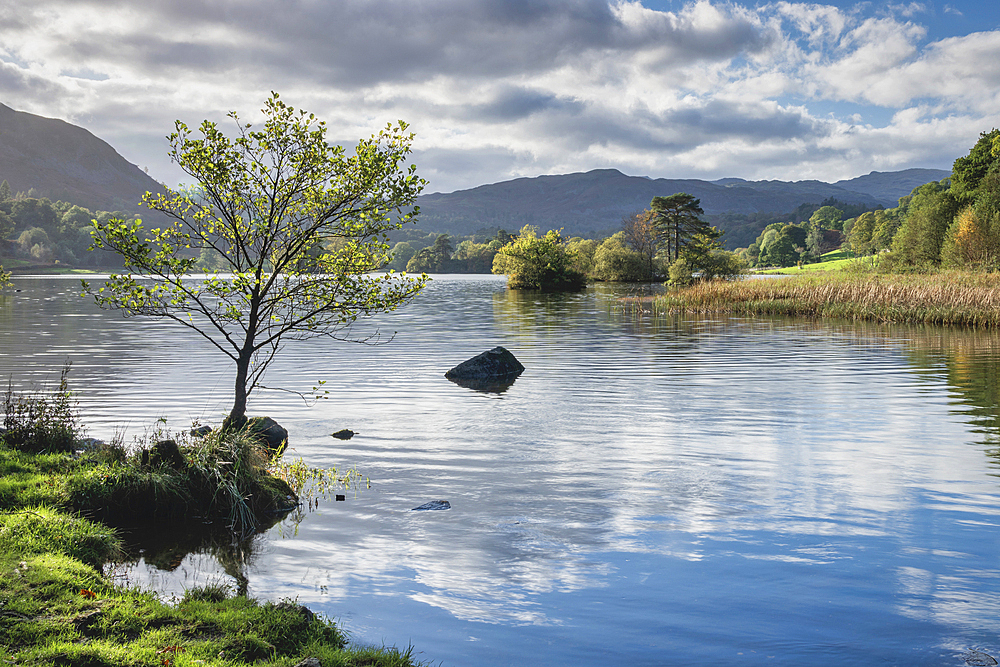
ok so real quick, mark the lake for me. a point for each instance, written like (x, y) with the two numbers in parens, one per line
(671, 491)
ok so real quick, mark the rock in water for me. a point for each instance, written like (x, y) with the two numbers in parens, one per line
(493, 371)
(433, 505)
(344, 434)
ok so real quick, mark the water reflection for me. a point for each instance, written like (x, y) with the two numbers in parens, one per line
(154, 552)
(685, 490)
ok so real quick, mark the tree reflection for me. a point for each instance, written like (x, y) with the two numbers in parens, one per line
(166, 550)
(970, 361)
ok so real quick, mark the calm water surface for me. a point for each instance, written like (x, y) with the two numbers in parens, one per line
(648, 492)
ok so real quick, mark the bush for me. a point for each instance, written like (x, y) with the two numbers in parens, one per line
(540, 263)
(721, 264)
(614, 262)
(680, 272)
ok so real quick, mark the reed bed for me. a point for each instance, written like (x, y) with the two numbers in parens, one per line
(951, 298)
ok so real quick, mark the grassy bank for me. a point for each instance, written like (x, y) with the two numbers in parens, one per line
(59, 509)
(838, 260)
(953, 298)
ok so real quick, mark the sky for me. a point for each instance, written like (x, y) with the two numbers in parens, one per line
(500, 89)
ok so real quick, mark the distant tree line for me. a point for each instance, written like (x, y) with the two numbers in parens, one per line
(39, 231)
(669, 240)
(790, 243)
(742, 229)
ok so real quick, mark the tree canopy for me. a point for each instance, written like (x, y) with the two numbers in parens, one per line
(296, 225)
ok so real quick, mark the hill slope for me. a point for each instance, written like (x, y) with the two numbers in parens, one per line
(64, 161)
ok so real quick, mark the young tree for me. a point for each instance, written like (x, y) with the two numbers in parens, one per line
(298, 224)
(641, 236)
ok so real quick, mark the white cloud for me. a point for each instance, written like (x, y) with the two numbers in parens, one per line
(496, 89)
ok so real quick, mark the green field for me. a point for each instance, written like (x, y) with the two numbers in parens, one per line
(831, 261)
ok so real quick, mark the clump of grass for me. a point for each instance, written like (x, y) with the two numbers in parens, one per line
(40, 422)
(225, 475)
(57, 609)
(951, 298)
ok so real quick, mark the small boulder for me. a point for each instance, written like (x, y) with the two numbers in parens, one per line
(344, 434)
(270, 433)
(201, 431)
(166, 453)
(979, 659)
(492, 371)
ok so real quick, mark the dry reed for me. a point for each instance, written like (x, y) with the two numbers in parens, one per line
(953, 298)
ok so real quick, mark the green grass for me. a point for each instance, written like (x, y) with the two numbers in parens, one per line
(55, 610)
(836, 260)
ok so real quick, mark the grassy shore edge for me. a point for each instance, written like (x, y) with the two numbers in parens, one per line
(946, 298)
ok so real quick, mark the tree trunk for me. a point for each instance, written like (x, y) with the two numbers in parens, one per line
(238, 415)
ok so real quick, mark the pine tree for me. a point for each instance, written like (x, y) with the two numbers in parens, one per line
(677, 223)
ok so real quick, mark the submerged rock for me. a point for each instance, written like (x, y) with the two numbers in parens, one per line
(491, 371)
(979, 659)
(433, 505)
(82, 444)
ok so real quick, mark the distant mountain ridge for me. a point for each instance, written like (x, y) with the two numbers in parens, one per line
(593, 203)
(63, 161)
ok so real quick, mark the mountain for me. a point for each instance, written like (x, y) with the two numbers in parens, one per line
(891, 185)
(63, 161)
(593, 203)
